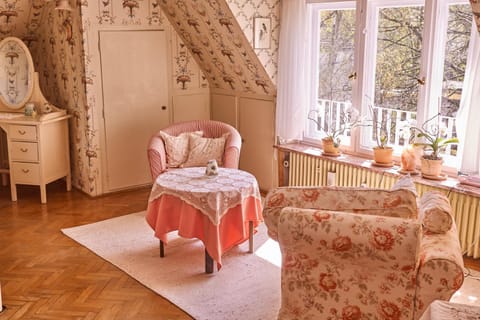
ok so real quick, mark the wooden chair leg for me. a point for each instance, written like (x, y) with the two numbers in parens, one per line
(208, 263)
(250, 236)
(162, 252)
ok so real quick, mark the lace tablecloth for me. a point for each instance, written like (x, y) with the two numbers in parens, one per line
(212, 195)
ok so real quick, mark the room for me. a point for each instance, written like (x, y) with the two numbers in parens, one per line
(79, 56)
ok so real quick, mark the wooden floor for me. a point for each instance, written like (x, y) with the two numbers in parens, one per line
(46, 275)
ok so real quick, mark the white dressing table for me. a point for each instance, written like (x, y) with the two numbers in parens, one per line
(37, 143)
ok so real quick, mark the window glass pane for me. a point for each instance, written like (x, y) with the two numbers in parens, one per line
(399, 45)
(397, 68)
(456, 51)
(337, 30)
(335, 57)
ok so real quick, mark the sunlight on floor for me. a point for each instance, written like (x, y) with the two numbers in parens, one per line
(270, 251)
(469, 293)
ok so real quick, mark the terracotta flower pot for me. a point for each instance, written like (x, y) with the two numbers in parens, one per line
(329, 146)
(431, 167)
(383, 155)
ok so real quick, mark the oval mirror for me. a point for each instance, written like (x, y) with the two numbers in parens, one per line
(16, 73)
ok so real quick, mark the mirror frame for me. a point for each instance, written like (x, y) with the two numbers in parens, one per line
(30, 74)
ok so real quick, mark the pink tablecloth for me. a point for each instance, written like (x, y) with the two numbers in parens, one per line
(167, 212)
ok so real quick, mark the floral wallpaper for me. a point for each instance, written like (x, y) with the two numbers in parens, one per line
(245, 11)
(219, 46)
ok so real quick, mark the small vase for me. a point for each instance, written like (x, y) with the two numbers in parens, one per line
(329, 146)
(408, 159)
(383, 155)
(431, 167)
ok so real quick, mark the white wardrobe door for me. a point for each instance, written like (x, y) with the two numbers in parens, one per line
(135, 102)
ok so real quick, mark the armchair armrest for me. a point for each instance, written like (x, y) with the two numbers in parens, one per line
(440, 270)
(156, 156)
(231, 156)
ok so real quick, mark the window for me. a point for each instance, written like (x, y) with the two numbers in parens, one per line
(404, 60)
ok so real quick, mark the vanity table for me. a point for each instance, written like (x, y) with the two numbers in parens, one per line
(36, 131)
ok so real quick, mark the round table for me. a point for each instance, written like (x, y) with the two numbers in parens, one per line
(222, 210)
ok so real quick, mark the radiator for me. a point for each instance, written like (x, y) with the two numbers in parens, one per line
(306, 170)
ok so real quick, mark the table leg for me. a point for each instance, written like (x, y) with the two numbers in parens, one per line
(250, 236)
(162, 252)
(208, 263)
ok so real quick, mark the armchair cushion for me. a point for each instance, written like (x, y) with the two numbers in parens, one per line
(177, 147)
(435, 212)
(337, 265)
(203, 149)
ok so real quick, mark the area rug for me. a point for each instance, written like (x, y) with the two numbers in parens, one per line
(246, 287)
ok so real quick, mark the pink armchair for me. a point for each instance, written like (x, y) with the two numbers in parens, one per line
(355, 253)
(211, 129)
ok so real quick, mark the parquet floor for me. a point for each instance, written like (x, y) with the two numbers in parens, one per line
(46, 275)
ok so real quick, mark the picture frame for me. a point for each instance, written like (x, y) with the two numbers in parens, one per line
(261, 32)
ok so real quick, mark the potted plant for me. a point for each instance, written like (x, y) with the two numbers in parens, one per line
(333, 129)
(382, 152)
(433, 140)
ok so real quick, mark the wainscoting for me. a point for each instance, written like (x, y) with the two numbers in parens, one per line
(304, 167)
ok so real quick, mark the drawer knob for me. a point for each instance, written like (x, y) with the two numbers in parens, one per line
(22, 132)
(25, 170)
(24, 149)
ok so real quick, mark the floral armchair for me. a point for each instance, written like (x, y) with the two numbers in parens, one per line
(357, 253)
(157, 150)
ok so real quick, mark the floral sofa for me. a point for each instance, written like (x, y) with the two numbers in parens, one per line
(357, 253)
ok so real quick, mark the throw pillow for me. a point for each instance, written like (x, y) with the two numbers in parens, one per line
(204, 149)
(435, 212)
(176, 147)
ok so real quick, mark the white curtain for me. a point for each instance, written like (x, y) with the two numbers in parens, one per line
(292, 87)
(467, 118)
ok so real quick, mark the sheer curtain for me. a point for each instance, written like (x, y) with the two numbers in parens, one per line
(469, 112)
(292, 87)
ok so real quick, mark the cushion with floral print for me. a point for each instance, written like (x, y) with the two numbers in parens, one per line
(204, 149)
(177, 148)
(435, 212)
(338, 265)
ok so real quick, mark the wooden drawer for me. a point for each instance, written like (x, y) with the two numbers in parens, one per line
(23, 132)
(24, 151)
(27, 173)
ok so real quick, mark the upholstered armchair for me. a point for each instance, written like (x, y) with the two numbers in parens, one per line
(157, 150)
(358, 253)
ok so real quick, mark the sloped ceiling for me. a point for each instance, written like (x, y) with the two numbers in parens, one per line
(218, 44)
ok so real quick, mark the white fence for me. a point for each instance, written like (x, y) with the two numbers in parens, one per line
(330, 114)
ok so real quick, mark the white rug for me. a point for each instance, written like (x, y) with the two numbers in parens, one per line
(246, 287)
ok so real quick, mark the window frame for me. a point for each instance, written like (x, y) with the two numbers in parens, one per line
(431, 61)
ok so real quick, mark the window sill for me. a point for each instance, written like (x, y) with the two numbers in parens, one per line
(451, 183)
